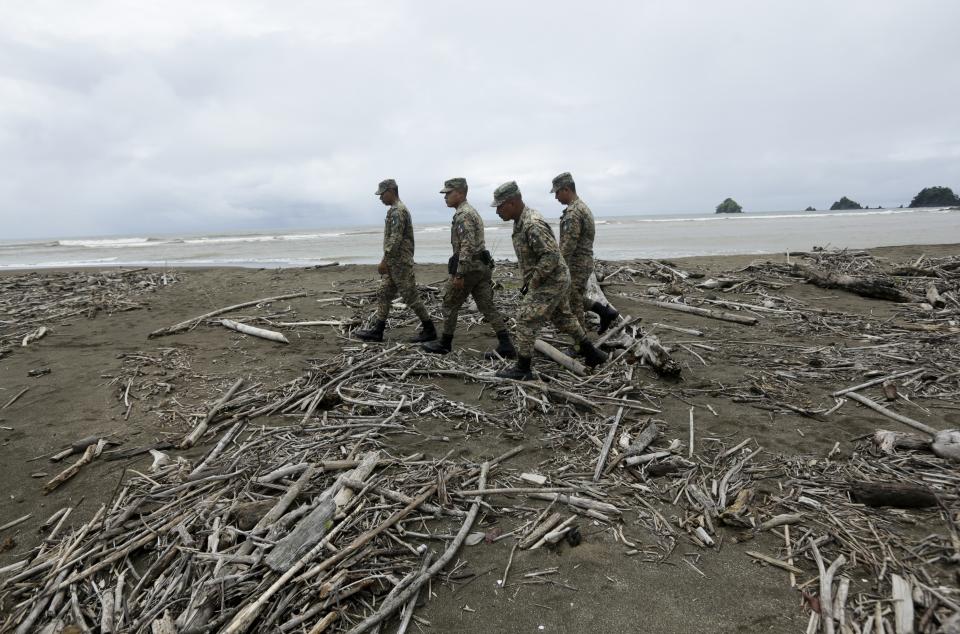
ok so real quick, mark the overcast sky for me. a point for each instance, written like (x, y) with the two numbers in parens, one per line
(185, 116)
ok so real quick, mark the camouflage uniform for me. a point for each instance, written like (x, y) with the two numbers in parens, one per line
(398, 255)
(576, 245)
(547, 280)
(474, 266)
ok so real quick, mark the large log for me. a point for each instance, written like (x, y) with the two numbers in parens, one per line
(902, 496)
(549, 351)
(872, 287)
(253, 331)
(890, 441)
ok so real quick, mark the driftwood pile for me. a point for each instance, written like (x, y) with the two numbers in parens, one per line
(33, 302)
(313, 510)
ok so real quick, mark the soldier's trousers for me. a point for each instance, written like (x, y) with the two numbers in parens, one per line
(549, 302)
(579, 275)
(400, 280)
(479, 284)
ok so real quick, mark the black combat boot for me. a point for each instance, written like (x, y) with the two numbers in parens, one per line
(591, 355)
(520, 372)
(371, 334)
(428, 332)
(608, 315)
(505, 348)
(441, 346)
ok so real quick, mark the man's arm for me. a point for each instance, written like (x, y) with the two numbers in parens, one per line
(467, 232)
(540, 242)
(395, 226)
(570, 229)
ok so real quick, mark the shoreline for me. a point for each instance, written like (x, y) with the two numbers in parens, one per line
(934, 247)
(619, 239)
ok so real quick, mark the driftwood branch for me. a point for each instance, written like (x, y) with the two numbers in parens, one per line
(190, 323)
(253, 331)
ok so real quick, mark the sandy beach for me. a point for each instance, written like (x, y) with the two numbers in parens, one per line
(99, 375)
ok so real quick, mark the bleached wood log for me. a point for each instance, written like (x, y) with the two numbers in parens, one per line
(891, 414)
(534, 478)
(190, 323)
(19, 520)
(107, 623)
(890, 441)
(826, 587)
(583, 503)
(253, 331)
(645, 458)
(547, 350)
(282, 472)
(902, 595)
(840, 603)
(703, 312)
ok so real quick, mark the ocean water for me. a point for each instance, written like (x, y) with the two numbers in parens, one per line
(618, 238)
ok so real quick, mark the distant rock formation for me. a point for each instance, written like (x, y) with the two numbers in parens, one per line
(935, 197)
(810, 209)
(729, 206)
(845, 203)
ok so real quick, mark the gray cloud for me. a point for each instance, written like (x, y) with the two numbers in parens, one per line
(120, 118)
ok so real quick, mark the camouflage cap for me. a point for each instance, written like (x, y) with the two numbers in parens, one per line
(504, 193)
(385, 185)
(561, 181)
(452, 184)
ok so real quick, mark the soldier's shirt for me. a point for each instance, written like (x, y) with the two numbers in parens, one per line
(398, 235)
(537, 250)
(577, 231)
(466, 237)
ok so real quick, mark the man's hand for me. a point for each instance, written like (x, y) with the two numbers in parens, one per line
(382, 267)
(457, 283)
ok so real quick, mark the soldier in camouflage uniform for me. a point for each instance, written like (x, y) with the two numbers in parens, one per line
(546, 283)
(577, 232)
(471, 273)
(396, 268)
